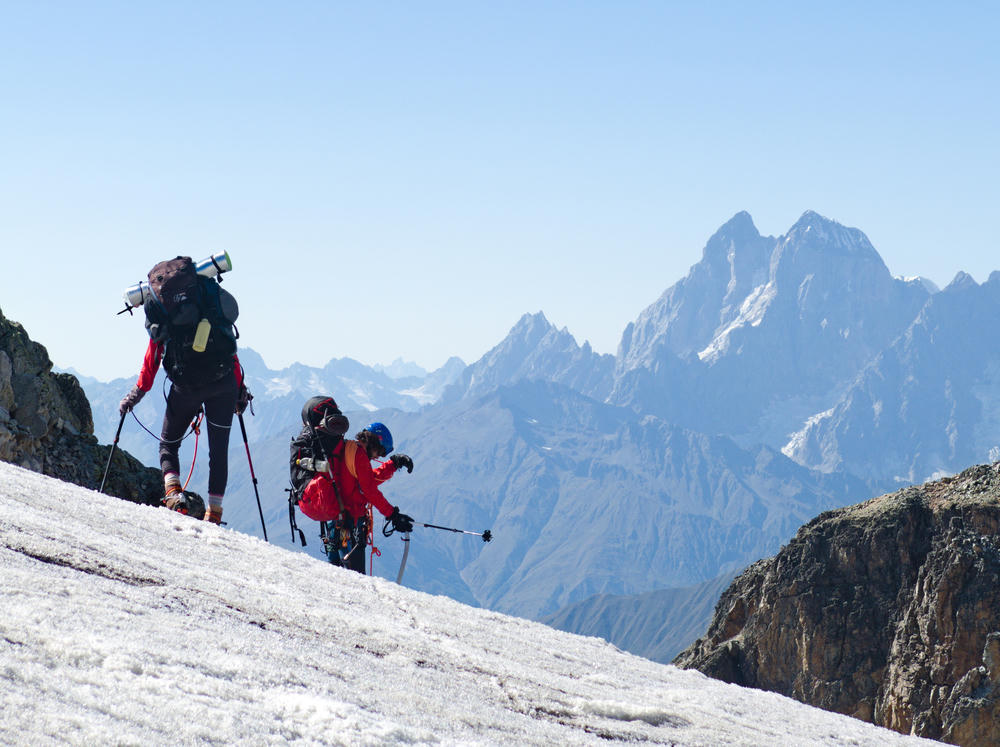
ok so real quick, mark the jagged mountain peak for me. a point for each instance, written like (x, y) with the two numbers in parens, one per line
(741, 218)
(813, 305)
(815, 230)
(814, 219)
(961, 281)
(535, 348)
(811, 216)
(534, 329)
(740, 224)
(690, 313)
(531, 325)
(734, 236)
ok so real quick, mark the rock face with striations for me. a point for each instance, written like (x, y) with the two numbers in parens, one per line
(46, 424)
(888, 611)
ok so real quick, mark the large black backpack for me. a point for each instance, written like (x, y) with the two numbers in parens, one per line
(323, 428)
(181, 300)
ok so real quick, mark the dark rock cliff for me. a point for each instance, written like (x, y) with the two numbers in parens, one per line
(46, 424)
(888, 611)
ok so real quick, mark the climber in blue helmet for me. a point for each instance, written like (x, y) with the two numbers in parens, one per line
(359, 487)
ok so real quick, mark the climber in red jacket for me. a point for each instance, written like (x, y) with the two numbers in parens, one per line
(191, 332)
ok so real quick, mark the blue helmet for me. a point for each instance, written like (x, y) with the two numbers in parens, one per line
(384, 437)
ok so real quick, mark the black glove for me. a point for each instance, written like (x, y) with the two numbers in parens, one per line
(401, 522)
(401, 460)
(243, 398)
(130, 400)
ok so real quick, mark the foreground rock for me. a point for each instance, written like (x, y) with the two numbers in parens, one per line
(46, 424)
(888, 611)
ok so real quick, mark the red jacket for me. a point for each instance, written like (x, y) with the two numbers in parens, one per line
(151, 364)
(358, 492)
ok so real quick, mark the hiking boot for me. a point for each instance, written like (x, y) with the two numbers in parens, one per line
(186, 503)
(174, 500)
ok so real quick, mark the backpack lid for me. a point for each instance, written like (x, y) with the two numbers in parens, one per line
(173, 282)
(316, 408)
(321, 412)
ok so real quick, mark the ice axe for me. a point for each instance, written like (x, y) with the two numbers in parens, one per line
(406, 552)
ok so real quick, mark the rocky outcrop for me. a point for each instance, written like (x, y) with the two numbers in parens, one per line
(46, 424)
(888, 611)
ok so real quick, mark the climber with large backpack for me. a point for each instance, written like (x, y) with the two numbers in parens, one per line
(190, 320)
(333, 481)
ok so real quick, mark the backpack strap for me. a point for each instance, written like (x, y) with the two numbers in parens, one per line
(350, 451)
(317, 441)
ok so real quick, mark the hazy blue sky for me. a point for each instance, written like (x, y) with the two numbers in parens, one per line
(405, 179)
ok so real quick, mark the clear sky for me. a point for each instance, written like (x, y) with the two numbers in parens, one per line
(406, 179)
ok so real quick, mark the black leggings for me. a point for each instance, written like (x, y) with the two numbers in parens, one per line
(219, 399)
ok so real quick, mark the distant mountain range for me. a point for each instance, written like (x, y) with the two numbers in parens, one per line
(278, 395)
(781, 377)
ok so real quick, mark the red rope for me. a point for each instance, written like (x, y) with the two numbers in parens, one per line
(371, 541)
(196, 427)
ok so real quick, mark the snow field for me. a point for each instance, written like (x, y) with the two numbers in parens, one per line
(127, 624)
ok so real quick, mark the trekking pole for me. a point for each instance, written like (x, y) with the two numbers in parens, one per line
(486, 535)
(114, 443)
(253, 477)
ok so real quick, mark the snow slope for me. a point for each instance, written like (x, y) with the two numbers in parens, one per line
(129, 624)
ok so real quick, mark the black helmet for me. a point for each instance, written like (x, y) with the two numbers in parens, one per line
(322, 413)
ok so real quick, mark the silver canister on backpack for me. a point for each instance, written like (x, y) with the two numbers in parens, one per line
(215, 264)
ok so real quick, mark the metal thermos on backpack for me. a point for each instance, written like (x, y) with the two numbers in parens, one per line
(311, 465)
(136, 295)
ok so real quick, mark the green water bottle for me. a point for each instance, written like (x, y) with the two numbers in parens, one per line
(201, 336)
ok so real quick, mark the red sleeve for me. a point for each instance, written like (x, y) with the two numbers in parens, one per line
(239, 371)
(150, 365)
(384, 471)
(369, 483)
